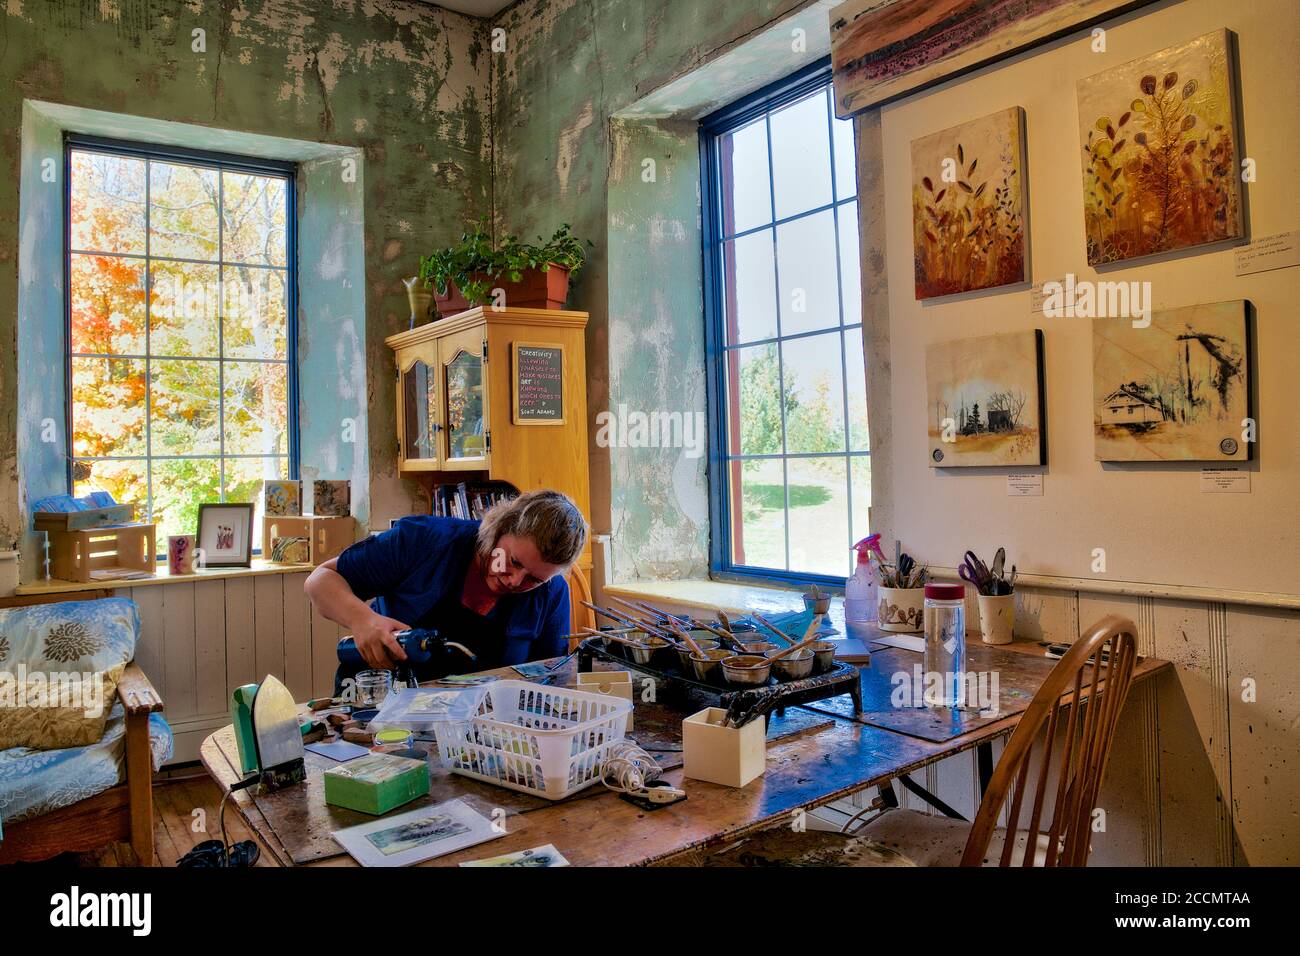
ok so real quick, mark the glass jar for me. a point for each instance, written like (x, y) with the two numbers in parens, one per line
(945, 644)
(372, 687)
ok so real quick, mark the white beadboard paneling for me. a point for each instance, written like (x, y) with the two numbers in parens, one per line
(1265, 735)
(268, 625)
(212, 694)
(179, 650)
(325, 636)
(241, 664)
(297, 637)
(149, 650)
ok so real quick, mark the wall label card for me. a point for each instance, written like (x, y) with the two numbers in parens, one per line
(1039, 295)
(1026, 485)
(537, 382)
(1271, 252)
(1225, 481)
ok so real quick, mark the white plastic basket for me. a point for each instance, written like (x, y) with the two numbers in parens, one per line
(547, 741)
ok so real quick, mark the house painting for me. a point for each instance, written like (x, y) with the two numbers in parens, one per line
(1130, 404)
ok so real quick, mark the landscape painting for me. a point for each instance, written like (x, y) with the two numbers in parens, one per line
(985, 398)
(1160, 153)
(968, 206)
(1177, 390)
(884, 49)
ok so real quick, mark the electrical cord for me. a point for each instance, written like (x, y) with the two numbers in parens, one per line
(628, 768)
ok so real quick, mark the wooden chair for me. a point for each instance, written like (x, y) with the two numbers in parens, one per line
(121, 814)
(579, 616)
(1049, 821)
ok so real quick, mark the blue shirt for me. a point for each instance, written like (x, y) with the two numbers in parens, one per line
(415, 572)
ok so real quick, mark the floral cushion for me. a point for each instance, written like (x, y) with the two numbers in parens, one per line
(59, 668)
(80, 635)
(35, 782)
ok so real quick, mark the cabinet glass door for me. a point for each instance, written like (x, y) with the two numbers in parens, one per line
(466, 408)
(420, 413)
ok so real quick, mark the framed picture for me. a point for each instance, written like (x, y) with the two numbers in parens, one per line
(985, 398)
(1177, 390)
(1160, 152)
(225, 535)
(969, 227)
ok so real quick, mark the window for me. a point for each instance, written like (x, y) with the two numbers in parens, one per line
(788, 403)
(181, 367)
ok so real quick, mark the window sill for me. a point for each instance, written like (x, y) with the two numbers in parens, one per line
(708, 595)
(161, 577)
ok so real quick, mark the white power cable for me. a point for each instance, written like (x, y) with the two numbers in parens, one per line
(628, 768)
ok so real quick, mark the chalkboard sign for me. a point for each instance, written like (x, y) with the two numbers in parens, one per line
(538, 384)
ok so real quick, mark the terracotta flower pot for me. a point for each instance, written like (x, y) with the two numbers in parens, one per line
(902, 610)
(534, 290)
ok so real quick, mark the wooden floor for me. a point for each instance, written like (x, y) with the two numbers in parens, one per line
(177, 793)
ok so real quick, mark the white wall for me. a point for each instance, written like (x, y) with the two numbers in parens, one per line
(1152, 520)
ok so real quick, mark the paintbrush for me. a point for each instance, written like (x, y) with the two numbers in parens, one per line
(773, 628)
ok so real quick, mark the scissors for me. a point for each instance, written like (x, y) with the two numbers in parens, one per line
(974, 571)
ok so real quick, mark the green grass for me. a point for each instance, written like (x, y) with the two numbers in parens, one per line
(768, 497)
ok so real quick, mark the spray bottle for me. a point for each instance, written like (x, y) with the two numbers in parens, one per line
(860, 601)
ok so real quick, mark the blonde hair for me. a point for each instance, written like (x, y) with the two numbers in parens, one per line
(548, 518)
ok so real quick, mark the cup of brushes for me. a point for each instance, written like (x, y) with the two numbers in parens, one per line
(996, 595)
(902, 593)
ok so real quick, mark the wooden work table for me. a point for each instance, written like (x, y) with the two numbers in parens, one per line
(832, 758)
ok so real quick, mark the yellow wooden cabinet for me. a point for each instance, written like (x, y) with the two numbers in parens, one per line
(458, 404)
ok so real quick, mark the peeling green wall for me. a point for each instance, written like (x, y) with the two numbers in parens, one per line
(568, 68)
(403, 82)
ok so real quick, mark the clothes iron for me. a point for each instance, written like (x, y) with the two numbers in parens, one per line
(268, 735)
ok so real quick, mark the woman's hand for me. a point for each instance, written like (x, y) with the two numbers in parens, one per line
(375, 641)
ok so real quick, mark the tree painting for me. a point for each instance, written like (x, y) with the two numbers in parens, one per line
(178, 334)
(1177, 390)
(968, 207)
(985, 400)
(1159, 152)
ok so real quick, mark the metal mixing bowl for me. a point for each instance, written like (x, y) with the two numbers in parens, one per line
(735, 671)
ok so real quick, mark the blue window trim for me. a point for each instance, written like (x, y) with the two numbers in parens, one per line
(194, 157)
(768, 99)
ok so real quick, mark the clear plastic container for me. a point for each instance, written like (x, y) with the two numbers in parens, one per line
(945, 644)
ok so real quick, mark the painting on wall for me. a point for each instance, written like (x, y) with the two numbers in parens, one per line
(985, 401)
(1177, 390)
(884, 49)
(1160, 153)
(968, 206)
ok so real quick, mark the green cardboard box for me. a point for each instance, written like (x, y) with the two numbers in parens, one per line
(376, 783)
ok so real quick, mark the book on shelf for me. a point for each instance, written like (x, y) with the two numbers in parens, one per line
(469, 500)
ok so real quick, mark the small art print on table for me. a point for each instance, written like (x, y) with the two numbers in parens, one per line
(332, 499)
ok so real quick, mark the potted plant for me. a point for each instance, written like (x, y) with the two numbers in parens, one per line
(532, 275)
(997, 598)
(902, 594)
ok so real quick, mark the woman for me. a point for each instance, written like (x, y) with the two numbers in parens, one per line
(497, 585)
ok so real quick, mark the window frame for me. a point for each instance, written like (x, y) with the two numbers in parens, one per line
(766, 100)
(77, 142)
